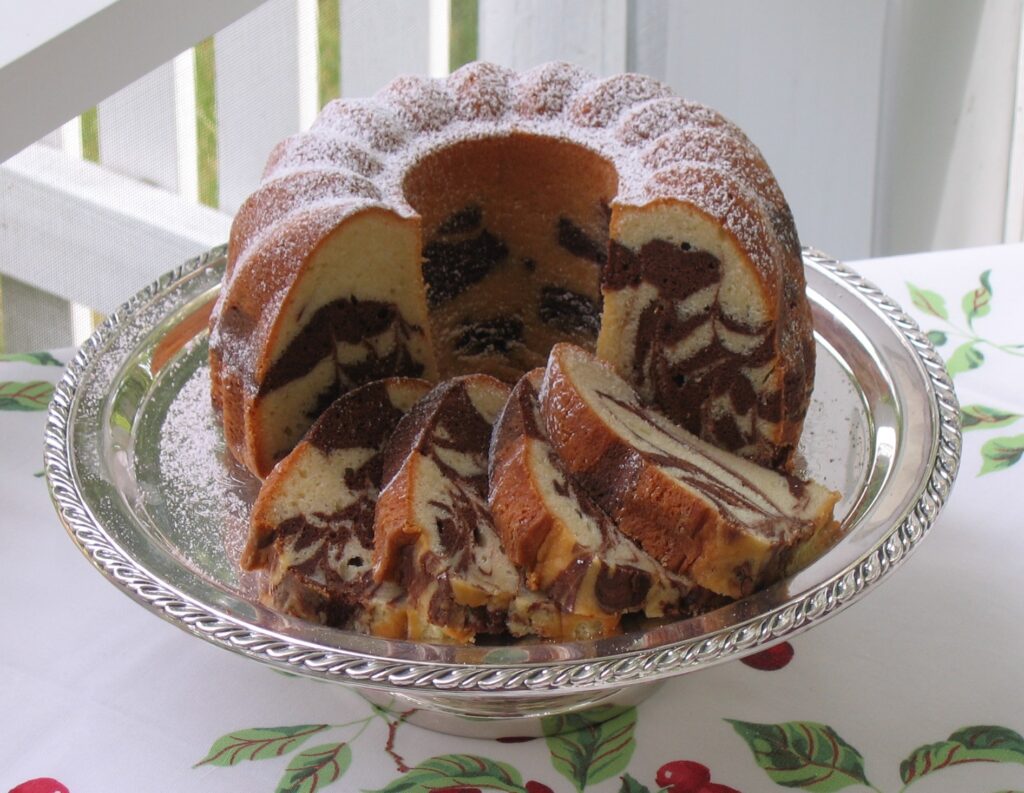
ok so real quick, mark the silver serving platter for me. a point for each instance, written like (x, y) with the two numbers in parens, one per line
(138, 472)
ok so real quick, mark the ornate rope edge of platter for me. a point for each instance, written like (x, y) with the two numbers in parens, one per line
(579, 675)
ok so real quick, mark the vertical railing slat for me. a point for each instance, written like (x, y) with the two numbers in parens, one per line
(138, 129)
(186, 144)
(258, 96)
(308, 42)
(381, 39)
(524, 33)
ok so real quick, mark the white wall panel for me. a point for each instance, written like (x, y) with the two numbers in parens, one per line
(947, 124)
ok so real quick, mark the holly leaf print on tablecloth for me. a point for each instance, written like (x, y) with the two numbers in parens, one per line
(1000, 453)
(34, 395)
(453, 770)
(39, 358)
(315, 768)
(589, 747)
(259, 743)
(981, 744)
(803, 754)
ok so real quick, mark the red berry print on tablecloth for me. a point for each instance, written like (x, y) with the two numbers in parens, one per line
(771, 659)
(688, 776)
(41, 785)
(683, 776)
(537, 787)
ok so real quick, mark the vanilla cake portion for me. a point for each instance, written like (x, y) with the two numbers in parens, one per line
(724, 521)
(433, 533)
(311, 528)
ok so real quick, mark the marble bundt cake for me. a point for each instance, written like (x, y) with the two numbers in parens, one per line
(312, 523)
(729, 524)
(467, 224)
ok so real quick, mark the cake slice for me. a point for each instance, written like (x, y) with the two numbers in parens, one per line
(433, 533)
(565, 545)
(729, 524)
(311, 527)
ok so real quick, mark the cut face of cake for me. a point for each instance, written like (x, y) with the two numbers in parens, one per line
(729, 524)
(433, 533)
(566, 546)
(312, 524)
(692, 327)
(512, 260)
(321, 329)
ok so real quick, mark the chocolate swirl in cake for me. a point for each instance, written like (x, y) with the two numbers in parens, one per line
(312, 524)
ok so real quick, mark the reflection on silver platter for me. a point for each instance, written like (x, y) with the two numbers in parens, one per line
(139, 474)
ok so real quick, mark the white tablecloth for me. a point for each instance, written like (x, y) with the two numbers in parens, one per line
(918, 685)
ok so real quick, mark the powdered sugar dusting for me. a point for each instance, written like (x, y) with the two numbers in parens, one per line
(481, 91)
(424, 104)
(600, 103)
(649, 120)
(309, 150)
(546, 90)
(368, 120)
(206, 494)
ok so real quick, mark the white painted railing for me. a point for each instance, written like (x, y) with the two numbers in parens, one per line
(882, 142)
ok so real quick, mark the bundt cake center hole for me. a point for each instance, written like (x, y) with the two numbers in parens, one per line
(514, 239)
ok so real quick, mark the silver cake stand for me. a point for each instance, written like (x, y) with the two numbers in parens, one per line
(138, 473)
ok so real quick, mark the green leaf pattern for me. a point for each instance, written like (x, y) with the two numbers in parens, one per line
(964, 358)
(997, 454)
(970, 745)
(974, 417)
(33, 395)
(977, 303)
(38, 358)
(803, 754)
(260, 743)
(630, 785)
(315, 768)
(1000, 453)
(929, 302)
(797, 754)
(589, 747)
(453, 770)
